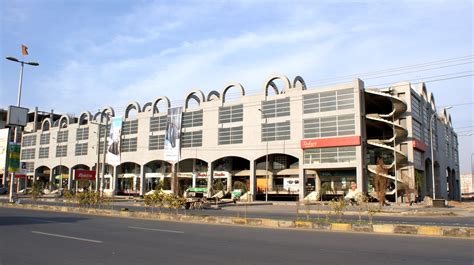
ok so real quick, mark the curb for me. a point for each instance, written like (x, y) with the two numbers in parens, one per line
(420, 230)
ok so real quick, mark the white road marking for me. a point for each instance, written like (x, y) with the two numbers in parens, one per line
(68, 237)
(157, 230)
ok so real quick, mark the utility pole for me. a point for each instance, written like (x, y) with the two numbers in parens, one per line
(102, 177)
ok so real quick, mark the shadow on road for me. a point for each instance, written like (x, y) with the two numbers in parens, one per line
(27, 220)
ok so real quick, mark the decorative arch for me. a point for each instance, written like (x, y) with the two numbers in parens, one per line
(46, 124)
(299, 83)
(106, 110)
(157, 100)
(213, 95)
(132, 106)
(147, 107)
(230, 85)
(64, 121)
(85, 117)
(450, 122)
(195, 94)
(286, 84)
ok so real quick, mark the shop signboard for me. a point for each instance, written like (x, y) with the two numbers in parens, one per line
(80, 174)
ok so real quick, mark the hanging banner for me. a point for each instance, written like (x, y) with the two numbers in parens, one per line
(14, 157)
(173, 134)
(113, 142)
(3, 149)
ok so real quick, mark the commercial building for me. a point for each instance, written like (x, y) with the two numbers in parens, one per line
(312, 138)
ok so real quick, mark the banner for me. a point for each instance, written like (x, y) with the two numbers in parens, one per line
(113, 142)
(80, 174)
(173, 134)
(3, 149)
(14, 157)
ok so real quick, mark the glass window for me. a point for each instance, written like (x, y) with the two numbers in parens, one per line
(28, 153)
(44, 138)
(275, 131)
(231, 114)
(276, 108)
(129, 145)
(82, 133)
(81, 149)
(328, 101)
(43, 152)
(329, 126)
(192, 139)
(61, 151)
(29, 140)
(158, 123)
(130, 127)
(156, 142)
(231, 135)
(329, 155)
(192, 119)
(62, 136)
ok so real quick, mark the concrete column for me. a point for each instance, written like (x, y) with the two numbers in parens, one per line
(114, 180)
(361, 186)
(229, 182)
(69, 179)
(51, 179)
(142, 180)
(302, 178)
(253, 180)
(210, 179)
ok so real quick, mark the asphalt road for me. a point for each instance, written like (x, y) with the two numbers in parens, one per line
(36, 237)
(288, 212)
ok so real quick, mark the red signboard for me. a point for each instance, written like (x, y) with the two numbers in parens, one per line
(20, 176)
(330, 142)
(419, 145)
(84, 174)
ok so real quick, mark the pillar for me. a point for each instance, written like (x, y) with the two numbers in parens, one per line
(253, 180)
(302, 185)
(142, 180)
(114, 180)
(51, 179)
(69, 179)
(210, 180)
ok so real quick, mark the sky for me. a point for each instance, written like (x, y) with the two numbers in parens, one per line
(96, 53)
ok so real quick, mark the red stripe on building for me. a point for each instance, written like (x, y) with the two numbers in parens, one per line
(331, 142)
(84, 174)
(419, 145)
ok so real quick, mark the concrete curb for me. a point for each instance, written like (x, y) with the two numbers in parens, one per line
(438, 231)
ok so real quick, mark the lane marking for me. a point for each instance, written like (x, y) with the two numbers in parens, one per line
(68, 237)
(156, 230)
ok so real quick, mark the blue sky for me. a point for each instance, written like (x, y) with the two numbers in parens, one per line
(94, 53)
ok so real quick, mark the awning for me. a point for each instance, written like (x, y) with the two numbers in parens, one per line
(288, 171)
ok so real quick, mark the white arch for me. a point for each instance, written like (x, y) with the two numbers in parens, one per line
(106, 110)
(286, 83)
(196, 94)
(157, 100)
(64, 121)
(130, 106)
(299, 83)
(230, 85)
(46, 121)
(85, 116)
(147, 107)
(213, 95)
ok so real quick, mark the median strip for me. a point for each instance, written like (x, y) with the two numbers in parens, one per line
(68, 237)
(156, 230)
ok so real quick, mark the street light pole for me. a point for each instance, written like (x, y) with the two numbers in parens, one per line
(18, 102)
(102, 177)
(432, 152)
(266, 159)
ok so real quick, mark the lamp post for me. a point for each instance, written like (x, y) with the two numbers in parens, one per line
(266, 159)
(432, 152)
(22, 63)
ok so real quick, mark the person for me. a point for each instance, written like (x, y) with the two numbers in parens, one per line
(351, 195)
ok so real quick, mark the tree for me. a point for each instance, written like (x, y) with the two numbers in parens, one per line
(380, 181)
